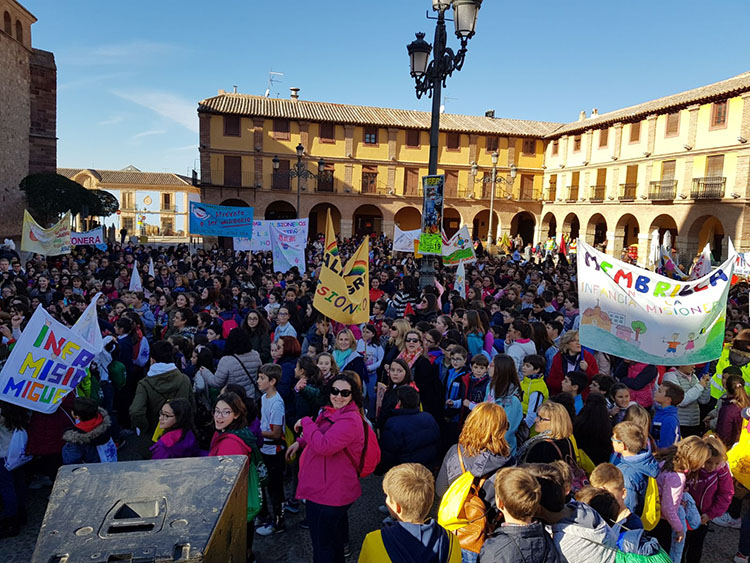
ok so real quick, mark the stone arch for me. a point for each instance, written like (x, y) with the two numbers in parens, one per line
(279, 210)
(451, 221)
(228, 242)
(596, 230)
(523, 224)
(481, 225)
(367, 219)
(317, 219)
(705, 229)
(408, 218)
(572, 226)
(549, 225)
(664, 223)
(626, 235)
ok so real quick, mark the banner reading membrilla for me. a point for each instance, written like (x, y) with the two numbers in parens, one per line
(641, 316)
(221, 220)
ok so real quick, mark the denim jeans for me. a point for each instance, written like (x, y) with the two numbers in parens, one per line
(469, 556)
(327, 531)
(689, 515)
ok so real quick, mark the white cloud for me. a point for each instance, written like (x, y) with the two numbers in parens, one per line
(149, 133)
(135, 51)
(114, 120)
(185, 148)
(166, 104)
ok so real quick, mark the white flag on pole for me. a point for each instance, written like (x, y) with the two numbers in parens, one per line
(135, 279)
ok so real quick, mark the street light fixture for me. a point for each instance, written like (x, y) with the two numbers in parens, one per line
(430, 77)
(495, 179)
(299, 171)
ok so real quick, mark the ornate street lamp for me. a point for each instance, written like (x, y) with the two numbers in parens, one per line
(299, 171)
(430, 77)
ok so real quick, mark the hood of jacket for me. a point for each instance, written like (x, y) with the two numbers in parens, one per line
(243, 434)
(166, 383)
(637, 541)
(94, 436)
(583, 531)
(484, 464)
(161, 368)
(643, 462)
(416, 543)
(738, 358)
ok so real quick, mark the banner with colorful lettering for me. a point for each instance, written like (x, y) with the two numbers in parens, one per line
(49, 242)
(221, 220)
(288, 247)
(92, 237)
(47, 363)
(431, 237)
(639, 315)
(403, 241)
(261, 239)
(459, 249)
(335, 296)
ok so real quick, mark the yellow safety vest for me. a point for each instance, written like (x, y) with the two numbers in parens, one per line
(530, 386)
(717, 389)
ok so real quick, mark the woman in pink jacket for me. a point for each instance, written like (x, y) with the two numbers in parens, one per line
(712, 489)
(328, 469)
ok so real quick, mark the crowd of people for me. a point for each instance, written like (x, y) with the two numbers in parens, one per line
(540, 449)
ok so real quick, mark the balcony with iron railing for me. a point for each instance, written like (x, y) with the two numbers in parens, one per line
(168, 209)
(708, 188)
(550, 195)
(220, 177)
(598, 193)
(662, 190)
(627, 192)
(572, 195)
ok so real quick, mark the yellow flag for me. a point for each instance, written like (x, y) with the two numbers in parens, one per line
(333, 296)
(49, 242)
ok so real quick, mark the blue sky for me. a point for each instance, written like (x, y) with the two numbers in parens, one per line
(130, 74)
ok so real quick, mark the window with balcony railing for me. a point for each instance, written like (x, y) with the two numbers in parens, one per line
(280, 180)
(325, 180)
(662, 190)
(627, 192)
(551, 193)
(598, 193)
(369, 180)
(708, 188)
(572, 194)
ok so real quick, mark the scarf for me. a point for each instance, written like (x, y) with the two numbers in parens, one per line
(571, 360)
(410, 358)
(340, 357)
(88, 425)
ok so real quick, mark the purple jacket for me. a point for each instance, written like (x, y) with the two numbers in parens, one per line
(729, 422)
(332, 449)
(170, 445)
(712, 491)
(671, 486)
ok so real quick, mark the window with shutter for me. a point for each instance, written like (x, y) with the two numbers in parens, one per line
(527, 187)
(412, 137)
(603, 137)
(327, 132)
(576, 143)
(492, 143)
(281, 176)
(281, 129)
(529, 146)
(231, 125)
(635, 132)
(411, 181)
(233, 171)
(673, 124)
(719, 115)
(451, 183)
(555, 147)
(668, 170)
(369, 179)
(452, 141)
(715, 166)
(325, 179)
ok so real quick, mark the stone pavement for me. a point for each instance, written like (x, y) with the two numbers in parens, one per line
(293, 546)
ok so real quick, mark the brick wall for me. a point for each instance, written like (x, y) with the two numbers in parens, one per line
(14, 132)
(43, 112)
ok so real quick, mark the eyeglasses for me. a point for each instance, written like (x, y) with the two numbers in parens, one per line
(282, 314)
(165, 415)
(616, 441)
(459, 359)
(412, 340)
(222, 414)
(542, 418)
(335, 391)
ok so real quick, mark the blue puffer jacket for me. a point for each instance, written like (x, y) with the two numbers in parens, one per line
(636, 470)
(409, 436)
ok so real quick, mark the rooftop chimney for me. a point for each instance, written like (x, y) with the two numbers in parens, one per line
(490, 113)
(294, 93)
(594, 112)
(582, 115)
(235, 88)
(221, 92)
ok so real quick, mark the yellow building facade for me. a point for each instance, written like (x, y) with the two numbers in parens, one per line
(677, 164)
(374, 159)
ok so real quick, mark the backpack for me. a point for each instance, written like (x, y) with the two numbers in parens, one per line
(651, 506)
(579, 479)
(463, 512)
(370, 452)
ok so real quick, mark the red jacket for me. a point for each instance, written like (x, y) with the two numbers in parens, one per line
(712, 491)
(557, 373)
(225, 443)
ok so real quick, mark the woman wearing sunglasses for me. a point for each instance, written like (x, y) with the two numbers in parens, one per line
(328, 476)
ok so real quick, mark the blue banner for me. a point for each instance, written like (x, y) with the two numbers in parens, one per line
(221, 220)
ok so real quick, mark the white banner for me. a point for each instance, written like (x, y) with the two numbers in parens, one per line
(288, 247)
(460, 284)
(459, 249)
(48, 361)
(261, 239)
(639, 315)
(403, 241)
(92, 237)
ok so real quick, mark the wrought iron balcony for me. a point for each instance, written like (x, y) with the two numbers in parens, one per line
(572, 194)
(627, 192)
(598, 193)
(550, 195)
(708, 188)
(168, 209)
(662, 190)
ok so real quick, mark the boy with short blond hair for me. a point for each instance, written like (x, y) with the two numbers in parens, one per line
(633, 458)
(607, 476)
(410, 493)
(519, 537)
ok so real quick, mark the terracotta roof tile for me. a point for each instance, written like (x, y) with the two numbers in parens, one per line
(131, 177)
(718, 90)
(244, 104)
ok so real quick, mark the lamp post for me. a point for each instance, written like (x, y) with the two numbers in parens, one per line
(300, 171)
(495, 179)
(430, 77)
